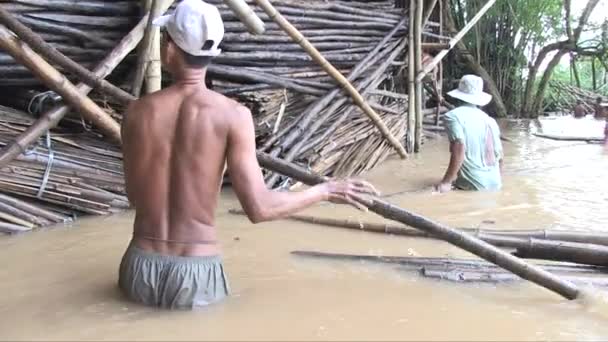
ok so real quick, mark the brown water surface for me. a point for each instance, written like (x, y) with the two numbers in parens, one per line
(60, 284)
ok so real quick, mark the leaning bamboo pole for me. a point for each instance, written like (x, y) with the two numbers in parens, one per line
(50, 53)
(469, 243)
(333, 72)
(53, 116)
(59, 83)
(246, 15)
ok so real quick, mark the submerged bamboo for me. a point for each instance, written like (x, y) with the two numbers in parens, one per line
(469, 243)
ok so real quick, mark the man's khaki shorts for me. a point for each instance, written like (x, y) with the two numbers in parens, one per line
(172, 282)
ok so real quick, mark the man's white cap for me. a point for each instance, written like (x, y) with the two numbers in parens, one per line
(193, 25)
(470, 89)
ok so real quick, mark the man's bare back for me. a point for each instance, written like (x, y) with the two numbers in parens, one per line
(175, 152)
(176, 144)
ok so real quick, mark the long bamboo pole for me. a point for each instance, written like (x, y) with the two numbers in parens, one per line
(49, 52)
(411, 81)
(246, 15)
(59, 83)
(469, 243)
(433, 63)
(153, 74)
(52, 117)
(418, 65)
(333, 72)
(146, 45)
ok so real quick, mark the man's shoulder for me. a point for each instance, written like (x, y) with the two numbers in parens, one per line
(457, 112)
(146, 103)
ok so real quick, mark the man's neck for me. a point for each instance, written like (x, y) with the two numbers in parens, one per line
(191, 77)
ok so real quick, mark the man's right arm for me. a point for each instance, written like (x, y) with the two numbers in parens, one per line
(261, 204)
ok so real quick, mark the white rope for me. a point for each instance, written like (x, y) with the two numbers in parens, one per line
(49, 166)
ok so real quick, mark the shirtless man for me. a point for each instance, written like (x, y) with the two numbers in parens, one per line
(579, 110)
(177, 143)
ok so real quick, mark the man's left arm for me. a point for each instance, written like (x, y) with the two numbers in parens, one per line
(457, 150)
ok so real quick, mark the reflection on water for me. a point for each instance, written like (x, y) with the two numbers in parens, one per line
(60, 284)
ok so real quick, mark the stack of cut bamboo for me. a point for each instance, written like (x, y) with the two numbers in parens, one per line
(564, 97)
(300, 112)
(298, 108)
(83, 30)
(76, 174)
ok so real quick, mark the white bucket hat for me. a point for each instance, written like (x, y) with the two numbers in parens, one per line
(470, 89)
(195, 25)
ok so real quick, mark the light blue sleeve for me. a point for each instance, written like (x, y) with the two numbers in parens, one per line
(453, 127)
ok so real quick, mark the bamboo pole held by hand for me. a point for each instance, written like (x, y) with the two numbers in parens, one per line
(333, 72)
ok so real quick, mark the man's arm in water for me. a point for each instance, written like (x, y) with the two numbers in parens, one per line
(260, 203)
(456, 160)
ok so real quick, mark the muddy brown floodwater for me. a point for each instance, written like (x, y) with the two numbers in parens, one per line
(60, 284)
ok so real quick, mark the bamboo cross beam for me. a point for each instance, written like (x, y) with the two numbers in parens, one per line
(333, 72)
(455, 40)
(465, 241)
(49, 52)
(59, 83)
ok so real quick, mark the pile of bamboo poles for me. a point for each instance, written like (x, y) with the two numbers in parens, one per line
(564, 97)
(67, 175)
(298, 108)
(83, 30)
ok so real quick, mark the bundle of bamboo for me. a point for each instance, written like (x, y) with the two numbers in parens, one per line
(69, 174)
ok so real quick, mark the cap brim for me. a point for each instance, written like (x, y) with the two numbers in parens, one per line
(206, 53)
(162, 20)
(481, 99)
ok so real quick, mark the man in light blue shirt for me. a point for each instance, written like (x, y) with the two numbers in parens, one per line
(475, 146)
